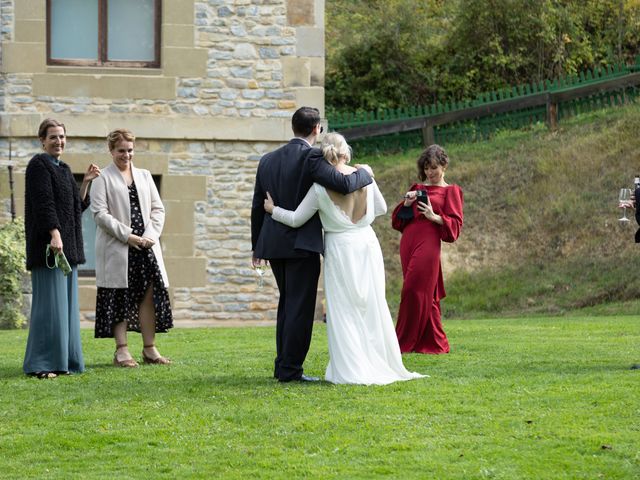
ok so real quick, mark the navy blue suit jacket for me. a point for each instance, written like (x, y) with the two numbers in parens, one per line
(287, 174)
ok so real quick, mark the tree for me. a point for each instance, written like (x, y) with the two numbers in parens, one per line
(394, 53)
(377, 50)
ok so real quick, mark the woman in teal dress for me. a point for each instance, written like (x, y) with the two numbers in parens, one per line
(53, 216)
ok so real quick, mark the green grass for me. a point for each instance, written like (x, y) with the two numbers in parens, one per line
(535, 398)
(553, 288)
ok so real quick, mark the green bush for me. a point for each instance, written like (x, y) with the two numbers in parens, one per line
(12, 266)
(396, 53)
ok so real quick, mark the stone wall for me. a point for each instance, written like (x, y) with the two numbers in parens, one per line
(239, 58)
(233, 72)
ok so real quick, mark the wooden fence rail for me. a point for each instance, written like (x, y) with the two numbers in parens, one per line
(549, 99)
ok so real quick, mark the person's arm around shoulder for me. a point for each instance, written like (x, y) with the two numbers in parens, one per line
(323, 173)
(307, 208)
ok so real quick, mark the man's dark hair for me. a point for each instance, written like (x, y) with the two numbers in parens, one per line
(304, 120)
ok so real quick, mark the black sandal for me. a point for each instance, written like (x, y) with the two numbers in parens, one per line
(44, 375)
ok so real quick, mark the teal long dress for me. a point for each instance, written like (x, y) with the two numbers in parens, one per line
(54, 330)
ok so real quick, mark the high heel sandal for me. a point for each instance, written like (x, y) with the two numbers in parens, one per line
(127, 363)
(154, 361)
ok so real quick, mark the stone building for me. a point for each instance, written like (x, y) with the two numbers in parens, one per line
(207, 87)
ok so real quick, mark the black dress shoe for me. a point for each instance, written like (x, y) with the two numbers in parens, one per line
(302, 378)
(635, 367)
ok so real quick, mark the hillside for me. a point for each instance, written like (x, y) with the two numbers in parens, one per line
(541, 234)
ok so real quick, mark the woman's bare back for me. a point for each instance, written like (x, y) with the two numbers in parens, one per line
(354, 204)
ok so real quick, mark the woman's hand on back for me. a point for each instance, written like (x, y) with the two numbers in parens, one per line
(268, 204)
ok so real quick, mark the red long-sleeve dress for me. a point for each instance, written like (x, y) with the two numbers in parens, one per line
(419, 326)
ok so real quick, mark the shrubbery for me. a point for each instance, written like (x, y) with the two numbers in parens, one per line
(12, 266)
(397, 53)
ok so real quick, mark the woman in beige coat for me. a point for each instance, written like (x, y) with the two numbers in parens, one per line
(130, 275)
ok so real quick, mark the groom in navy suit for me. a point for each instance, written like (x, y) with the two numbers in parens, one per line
(294, 253)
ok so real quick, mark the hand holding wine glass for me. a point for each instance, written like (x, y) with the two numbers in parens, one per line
(261, 267)
(625, 202)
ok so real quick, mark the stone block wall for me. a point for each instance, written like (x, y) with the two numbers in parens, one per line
(231, 58)
(232, 73)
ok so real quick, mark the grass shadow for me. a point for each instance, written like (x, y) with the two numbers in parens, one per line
(11, 372)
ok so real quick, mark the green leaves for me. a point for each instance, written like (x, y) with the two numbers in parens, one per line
(387, 54)
(12, 266)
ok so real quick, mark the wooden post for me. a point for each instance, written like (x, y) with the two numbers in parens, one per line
(552, 113)
(428, 135)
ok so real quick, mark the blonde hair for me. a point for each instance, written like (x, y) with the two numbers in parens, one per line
(334, 146)
(118, 135)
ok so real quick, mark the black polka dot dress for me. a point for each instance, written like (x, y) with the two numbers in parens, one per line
(115, 305)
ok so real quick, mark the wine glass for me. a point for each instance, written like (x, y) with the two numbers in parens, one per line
(261, 271)
(625, 199)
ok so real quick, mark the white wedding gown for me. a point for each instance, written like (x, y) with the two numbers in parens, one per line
(363, 347)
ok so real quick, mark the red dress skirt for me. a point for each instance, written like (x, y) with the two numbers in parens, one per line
(419, 326)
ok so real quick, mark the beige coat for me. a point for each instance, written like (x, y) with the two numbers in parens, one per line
(112, 214)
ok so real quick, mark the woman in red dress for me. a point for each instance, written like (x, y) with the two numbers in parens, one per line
(430, 213)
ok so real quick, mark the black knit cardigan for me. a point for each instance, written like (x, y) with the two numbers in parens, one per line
(52, 200)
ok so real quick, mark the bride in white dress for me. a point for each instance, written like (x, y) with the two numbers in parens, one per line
(363, 347)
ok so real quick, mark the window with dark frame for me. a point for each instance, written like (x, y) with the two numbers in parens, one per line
(104, 33)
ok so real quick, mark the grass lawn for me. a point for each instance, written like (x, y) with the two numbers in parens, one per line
(534, 398)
